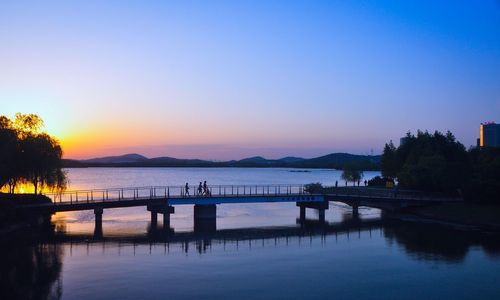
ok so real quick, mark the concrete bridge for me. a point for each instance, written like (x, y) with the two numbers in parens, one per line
(163, 199)
(385, 199)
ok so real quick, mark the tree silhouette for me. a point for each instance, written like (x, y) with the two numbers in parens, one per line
(352, 173)
(28, 155)
(431, 162)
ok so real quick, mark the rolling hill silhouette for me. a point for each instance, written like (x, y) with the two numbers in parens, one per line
(330, 161)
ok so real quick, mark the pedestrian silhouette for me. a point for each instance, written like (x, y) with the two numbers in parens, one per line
(186, 189)
(200, 189)
(205, 188)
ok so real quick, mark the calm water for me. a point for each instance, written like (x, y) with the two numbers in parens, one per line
(258, 251)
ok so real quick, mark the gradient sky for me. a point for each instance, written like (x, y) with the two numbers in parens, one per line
(229, 79)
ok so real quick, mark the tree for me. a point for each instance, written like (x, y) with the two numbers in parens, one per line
(389, 163)
(28, 156)
(42, 159)
(9, 154)
(432, 162)
(352, 173)
(484, 185)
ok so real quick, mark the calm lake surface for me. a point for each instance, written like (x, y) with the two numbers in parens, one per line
(259, 251)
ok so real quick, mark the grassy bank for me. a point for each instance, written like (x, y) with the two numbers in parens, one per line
(483, 216)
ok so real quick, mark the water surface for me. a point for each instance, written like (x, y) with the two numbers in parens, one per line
(257, 252)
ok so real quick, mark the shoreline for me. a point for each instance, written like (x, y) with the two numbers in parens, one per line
(461, 215)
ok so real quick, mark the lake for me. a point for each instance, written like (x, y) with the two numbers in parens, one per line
(259, 251)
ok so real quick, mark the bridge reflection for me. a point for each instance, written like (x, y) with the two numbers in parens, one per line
(32, 266)
(205, 235)
(421, 241)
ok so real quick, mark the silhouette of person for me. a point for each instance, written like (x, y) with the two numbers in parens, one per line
(186, 189)
(200, 189)
(336, 183)
(365, 182)
(205, 188)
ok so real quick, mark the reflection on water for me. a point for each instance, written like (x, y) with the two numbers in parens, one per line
(439, 243)
(31, 271)
(252, 251)
(34, 270)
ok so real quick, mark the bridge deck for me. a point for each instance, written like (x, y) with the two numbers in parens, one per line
(174, 195)
(225, 194)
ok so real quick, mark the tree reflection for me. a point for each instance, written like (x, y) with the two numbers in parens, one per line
(30, 271)
(435, 242)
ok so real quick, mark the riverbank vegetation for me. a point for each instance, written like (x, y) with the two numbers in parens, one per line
(29, 156)
(352, 173)
(439, 163)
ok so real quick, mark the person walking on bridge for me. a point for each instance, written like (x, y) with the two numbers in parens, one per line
(186, 190)
(200, 189)
(205, 188)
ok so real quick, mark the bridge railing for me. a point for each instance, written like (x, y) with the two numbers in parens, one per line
(164, 192)
(388, 193)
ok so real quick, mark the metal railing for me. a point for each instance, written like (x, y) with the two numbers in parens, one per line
(402, 194)
(165, 192)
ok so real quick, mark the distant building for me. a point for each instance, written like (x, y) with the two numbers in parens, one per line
(489, 134)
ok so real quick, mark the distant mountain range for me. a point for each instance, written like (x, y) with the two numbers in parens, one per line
(330, 161)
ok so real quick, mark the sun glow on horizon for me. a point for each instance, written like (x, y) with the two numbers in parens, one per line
(340, 76)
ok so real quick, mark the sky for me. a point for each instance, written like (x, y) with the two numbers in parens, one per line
(231, 79)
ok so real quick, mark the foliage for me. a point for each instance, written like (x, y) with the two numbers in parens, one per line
(484, 185)
(313, 188)
(28, 156)
(352, 173)
(9, 153)
(431, 162)
(389, 163)
(379, 181)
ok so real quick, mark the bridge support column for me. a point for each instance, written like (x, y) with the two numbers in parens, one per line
(154, 219)
(302, 213)
(98, 222)
(321, 215)
(164, 209)
(205, 218)
(355, 211)
(320, 206)
(166, 220)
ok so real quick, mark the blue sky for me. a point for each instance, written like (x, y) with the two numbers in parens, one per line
(227, 79)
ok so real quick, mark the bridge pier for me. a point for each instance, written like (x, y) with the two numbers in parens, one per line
(302, 212)
(355, 210)
(205, 218)
(164, 209)
(319, 206)
(321, 215)
(98, 211)
(154, 219)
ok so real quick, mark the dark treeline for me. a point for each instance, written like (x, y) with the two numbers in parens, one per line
(330, 161)
(439, 163)
(29, 156)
